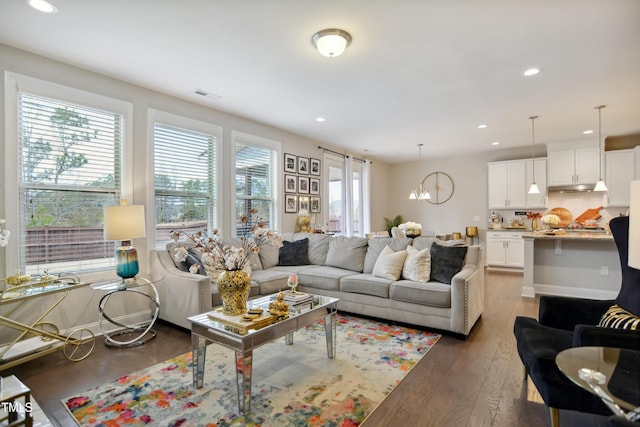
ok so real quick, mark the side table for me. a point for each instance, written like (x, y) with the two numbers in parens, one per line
(137, 334)
(612, 374)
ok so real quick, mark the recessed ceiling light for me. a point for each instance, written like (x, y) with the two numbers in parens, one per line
(531, 72)
(495, 143)
(321, 119)
(43, 6)
(588, 132)
(482, 126)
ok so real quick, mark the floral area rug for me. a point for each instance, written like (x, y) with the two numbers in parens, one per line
(293, 385)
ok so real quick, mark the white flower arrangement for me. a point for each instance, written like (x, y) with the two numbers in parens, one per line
(411, 228)
(551, 219)
(222, 256)
(4, 234)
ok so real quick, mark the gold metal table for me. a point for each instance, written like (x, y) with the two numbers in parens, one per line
(41, 337)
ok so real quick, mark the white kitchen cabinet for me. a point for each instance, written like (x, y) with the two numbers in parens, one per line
(507, 182)
(620, 167)
(573, 163)
(536, 201)
(505, 249)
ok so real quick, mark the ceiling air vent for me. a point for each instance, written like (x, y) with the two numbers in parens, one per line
(201, 92)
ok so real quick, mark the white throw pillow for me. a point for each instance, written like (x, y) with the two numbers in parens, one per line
(417, 266)
(389, 264)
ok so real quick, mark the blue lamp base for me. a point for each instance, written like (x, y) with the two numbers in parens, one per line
(127, 262)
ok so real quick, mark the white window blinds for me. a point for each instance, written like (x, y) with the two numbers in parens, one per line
(256, 183)
(70, 167)
(185, 180)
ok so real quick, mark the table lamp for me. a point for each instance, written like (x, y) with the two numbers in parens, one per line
(472, 232)
(125, 222)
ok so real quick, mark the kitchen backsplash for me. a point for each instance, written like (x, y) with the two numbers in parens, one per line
(576, 203)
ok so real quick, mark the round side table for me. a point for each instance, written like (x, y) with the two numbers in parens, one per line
(127, 335)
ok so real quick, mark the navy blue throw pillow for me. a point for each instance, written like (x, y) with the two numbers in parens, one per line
(294, 253)
(189, 261)
(446, 262)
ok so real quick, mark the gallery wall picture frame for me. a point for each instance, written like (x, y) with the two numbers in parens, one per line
(314, 167)
(314, 186)
(303, 165)
(290, 203)
(303, 203)
(314, 202)
(303, 184)
(290, 163)
(290, 183)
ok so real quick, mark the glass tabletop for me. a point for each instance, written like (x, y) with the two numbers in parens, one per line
(215, 320)
(616, 371)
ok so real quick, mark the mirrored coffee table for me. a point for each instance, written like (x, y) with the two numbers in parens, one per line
(205, 329)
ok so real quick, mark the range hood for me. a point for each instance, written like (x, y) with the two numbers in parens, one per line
(572, 188)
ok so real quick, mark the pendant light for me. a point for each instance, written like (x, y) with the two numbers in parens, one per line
(600, 185)
(419, 193)
(534, 187)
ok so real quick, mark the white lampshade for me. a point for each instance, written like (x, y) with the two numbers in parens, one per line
(634, 226)
(124, 222)
(534, 189)
(331, 42)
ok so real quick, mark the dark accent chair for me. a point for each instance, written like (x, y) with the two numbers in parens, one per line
(618, 421)
(566, 322)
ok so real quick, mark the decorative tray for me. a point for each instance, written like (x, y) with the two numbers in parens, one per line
(240, 326)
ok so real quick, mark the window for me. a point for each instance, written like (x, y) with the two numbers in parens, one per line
(69, 166)
(347, 203)
(256, 162)
(185, 176)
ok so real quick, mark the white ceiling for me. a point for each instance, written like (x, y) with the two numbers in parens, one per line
(416, 71)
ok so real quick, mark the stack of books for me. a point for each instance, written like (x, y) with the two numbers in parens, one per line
(297, 297)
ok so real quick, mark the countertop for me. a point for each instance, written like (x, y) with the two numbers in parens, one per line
(568, 235)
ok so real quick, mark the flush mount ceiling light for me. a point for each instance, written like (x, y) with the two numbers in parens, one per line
(534, 187)
(531, 72)
(600, 185)
(331, 42)
(43, 6)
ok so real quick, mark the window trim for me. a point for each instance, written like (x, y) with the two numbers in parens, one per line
(15, 83)
(158, 116)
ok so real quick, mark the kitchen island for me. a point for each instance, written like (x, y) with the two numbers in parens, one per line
(582, 264)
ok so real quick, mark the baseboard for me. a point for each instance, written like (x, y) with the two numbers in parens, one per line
(133, 319)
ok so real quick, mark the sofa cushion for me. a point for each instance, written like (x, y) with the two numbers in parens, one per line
(389, 264)
(376, 246)
(347, 252)
(433, 293)
(366, 284)
(294, 253)
(446, 262)
(269, 256)
(323, 277)
(271, 280)
(417, 265)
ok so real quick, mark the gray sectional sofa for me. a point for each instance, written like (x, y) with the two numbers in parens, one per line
(362, 273)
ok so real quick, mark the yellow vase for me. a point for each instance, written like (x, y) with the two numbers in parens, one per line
(233, 288)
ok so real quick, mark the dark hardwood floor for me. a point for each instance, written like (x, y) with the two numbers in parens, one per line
(473, 382)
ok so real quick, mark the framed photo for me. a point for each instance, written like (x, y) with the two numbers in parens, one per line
(303, 165)
(314, 186)
(314, 201)
(290, 163)
(290, 183)
(314, 167)
(303, 184)
(303, 201)
(290, 203)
